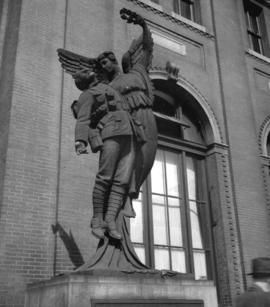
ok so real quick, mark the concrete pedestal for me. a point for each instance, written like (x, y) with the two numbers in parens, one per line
(111, 288)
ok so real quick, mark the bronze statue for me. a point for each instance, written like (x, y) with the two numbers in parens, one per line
(136, 89)
(114, 115)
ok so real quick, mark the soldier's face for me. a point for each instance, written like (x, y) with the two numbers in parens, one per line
(107, 65)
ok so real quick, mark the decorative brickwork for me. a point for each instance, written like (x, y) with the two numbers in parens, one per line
(265, 159)
(225, 229)
(171, 18)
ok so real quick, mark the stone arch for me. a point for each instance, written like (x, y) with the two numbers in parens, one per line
(200, 105)
(263, 136)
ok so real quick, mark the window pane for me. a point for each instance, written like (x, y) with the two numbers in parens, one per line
(158, 200)
(157, 174)
(187, 9)
(254, 24)
(195, 226)
(160, 225)
(172, 173)
(175, 227)
(256, 43)
(191, 178)
(140, 251)
(200, 265)
(176, 6)
(173, 202)
(136, 224)
(162, 261)
(178, 261)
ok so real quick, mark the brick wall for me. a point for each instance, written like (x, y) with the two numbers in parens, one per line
(30, 176)
(43, 181)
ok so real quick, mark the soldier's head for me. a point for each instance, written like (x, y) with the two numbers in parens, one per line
(84, 78)
(108, 63)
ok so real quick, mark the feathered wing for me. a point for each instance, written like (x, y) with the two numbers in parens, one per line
(73, 62)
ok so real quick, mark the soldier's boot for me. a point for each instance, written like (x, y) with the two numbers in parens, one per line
(97, 222)
(114, 204)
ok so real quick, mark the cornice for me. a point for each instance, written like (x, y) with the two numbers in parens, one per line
(171, 18)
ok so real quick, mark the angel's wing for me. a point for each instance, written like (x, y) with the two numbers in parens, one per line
(73, 62)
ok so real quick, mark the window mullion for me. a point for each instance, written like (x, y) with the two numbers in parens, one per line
(189, 251)
(167, 211)
(148, 224)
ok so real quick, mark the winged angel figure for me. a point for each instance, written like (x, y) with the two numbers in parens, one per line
(114, 115)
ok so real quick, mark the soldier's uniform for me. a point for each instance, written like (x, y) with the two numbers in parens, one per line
(103, 124)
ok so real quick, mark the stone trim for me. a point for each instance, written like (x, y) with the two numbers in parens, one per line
(258, 56)
(235, 257)
(161, 73)
(265, 169)
(227, 240)
(265, 159)
(262, 138)
(189, 25)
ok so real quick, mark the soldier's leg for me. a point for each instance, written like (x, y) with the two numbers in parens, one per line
(99, 199)
(107, 164)
(120, 184)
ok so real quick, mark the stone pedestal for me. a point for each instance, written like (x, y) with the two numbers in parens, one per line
(116, 288)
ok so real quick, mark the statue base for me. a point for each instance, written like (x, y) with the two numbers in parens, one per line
(107, 288)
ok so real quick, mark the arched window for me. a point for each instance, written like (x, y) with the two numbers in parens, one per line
(171, 230)
(268, 145)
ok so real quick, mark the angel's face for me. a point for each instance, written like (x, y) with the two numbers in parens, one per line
(107, 65)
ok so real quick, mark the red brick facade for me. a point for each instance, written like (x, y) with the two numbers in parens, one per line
(42, 181)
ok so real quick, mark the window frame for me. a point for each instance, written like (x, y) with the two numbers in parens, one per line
(261, 34)
(199, 152)
(194, 9)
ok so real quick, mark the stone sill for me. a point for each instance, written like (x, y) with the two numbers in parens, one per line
(153, 4)
(258, 56)
(175, 15)
(189, 22)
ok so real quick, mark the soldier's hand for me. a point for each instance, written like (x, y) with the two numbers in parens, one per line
(80, 148)
(138, 20)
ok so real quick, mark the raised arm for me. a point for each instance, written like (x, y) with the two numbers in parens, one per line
(141, 49)
(147, 39)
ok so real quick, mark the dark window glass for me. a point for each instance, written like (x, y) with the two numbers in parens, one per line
(268, 145)
(256, 27)
(189, 9)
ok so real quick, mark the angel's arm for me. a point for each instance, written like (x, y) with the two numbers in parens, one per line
(147, 40)
(141, 49)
